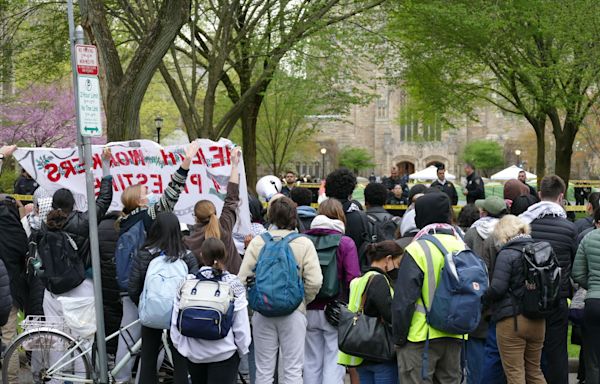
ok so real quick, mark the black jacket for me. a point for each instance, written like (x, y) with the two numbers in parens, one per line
(508, 283)
(378, 299)
(139, 267)
(562, 235)
(448, 188)
(5, 297)
(78, 224)
(34, 305)
(583, 224)
(111, 297)
(13, 250)
(356, 221)
(475, 188)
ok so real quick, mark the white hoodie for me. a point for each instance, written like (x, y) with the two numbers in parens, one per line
(238, 339)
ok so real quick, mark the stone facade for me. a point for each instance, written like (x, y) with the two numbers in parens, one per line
(392, 138)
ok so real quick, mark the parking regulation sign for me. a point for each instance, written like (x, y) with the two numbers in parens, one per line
(86, 58)
(90, 121)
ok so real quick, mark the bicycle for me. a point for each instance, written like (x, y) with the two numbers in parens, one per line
(47, 352)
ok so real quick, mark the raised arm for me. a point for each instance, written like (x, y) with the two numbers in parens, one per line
(171, 195)
(229, 212)
(105, 196)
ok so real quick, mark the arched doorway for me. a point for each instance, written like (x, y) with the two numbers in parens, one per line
(435, 163)
(405, 167)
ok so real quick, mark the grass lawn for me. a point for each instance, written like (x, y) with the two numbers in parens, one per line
(573, 349)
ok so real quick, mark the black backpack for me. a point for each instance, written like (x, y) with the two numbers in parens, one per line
(57, 263)
(377, 227)
(542, 280)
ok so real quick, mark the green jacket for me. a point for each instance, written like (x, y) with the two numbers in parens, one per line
(586, 267)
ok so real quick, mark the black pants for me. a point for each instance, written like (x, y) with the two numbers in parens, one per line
(151, 344)
(555, 358)
(591, 339)
(222, 372)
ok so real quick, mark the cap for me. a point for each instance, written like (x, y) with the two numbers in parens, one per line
(491, 204)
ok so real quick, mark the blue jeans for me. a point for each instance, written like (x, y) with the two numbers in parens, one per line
(475, 356)
(385, 373)
(492, 371)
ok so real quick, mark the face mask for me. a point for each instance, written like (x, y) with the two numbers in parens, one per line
(153, 198)
(393, 274)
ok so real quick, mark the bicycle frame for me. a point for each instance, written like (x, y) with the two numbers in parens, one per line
(118, 366)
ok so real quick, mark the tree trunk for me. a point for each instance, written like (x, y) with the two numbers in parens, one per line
(249, 121)
(540, 136)
(564, 151)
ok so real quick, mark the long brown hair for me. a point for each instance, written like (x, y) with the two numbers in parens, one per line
(206, 215)
(333, 209)
(131, 198)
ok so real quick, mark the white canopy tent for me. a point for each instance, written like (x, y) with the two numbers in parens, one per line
(511, 172)
(429, 173)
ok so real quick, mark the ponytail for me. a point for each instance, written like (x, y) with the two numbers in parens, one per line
(56, 219)
(213, 251)
(213, 228)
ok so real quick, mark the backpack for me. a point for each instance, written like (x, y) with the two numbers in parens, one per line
(278, 288)
(542, 280)
(456, 305)
(205, 308)
(57, 263)
(327, 247)
(377, 227)
(128, 246)
(163, 279)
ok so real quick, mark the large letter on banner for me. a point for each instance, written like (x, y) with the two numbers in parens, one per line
(143, 162)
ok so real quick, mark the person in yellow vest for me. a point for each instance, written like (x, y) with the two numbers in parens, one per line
(375, 287)
(418, 276)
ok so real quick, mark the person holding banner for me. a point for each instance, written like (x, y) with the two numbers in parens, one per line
(141, 206)
(209, 225)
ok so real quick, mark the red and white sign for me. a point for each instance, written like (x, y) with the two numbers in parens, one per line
(86, 57)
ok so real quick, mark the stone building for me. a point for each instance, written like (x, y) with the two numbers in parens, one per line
(393, 138)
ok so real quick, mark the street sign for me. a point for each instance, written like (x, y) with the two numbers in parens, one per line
(90, 122)
(86, 59)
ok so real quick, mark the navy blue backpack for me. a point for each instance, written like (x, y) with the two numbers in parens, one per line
(456, 306)
(128, 245)
(278, 288)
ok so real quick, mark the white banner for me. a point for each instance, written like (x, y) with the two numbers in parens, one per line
(143, 162)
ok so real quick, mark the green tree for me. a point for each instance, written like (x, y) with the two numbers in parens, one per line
(538, 59)
(486, 155)
(356, 159)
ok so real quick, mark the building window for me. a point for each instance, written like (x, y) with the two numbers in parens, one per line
(382, 105)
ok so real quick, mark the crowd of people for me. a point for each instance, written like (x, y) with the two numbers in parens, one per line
(313, 295)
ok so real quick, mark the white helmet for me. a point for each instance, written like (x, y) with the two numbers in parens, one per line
(268, 186)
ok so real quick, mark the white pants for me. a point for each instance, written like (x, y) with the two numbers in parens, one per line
(286, 334)
(321, 351)
(53, 307)
(128, 338)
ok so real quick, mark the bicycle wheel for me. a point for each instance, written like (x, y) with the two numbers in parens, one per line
(30, 356)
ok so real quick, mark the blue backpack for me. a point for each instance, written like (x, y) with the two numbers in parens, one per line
(128, 246)
(163, 279)
(456, 306)
(278, 288)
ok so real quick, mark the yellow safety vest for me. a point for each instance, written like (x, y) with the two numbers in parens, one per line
(431, 261)
(357, 288)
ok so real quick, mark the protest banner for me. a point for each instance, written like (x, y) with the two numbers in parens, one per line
(143, 162)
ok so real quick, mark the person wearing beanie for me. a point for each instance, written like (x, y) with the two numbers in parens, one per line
(513, 188)
(410, 328)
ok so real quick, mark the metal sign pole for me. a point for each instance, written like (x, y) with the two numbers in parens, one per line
(76, 36)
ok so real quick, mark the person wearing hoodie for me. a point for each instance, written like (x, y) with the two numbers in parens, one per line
(491, 210)
(321, 347)
(408, 228)
(586, 225)
(215, 361)
(303, 198)
(411, 296)
(548, 221)
(284, 333)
